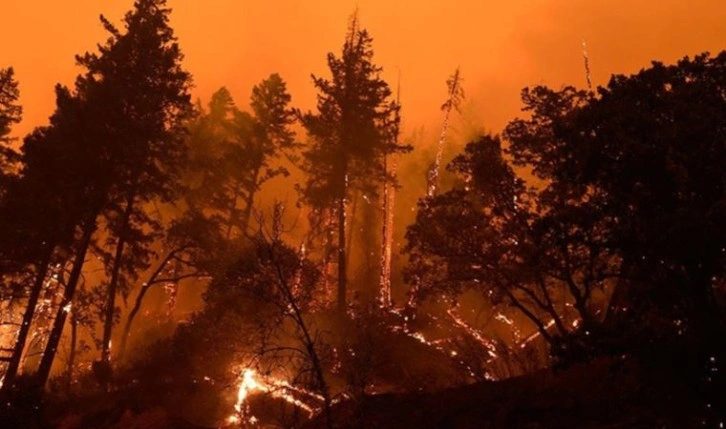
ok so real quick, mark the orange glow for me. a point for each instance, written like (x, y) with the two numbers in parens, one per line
(500, 46)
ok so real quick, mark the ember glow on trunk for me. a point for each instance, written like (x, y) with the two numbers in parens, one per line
(455, 97)
(389, 199)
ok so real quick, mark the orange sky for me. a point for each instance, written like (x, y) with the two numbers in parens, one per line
(501, 46)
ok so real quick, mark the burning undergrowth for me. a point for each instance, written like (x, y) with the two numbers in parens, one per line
(265, 351)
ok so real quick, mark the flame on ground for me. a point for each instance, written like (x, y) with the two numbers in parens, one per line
(253, 382)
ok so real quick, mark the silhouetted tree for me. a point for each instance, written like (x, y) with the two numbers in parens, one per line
(352, 131)
(647, 154)
(272, 136)
(10, 113)
(137, 93)
(191, 248)
(233, 153)
(626, 198)
(213, 162)
(492, 234)
(50, 211)
(257, 314)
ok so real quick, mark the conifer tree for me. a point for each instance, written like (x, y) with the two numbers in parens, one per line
(135, 95)
(351, 132)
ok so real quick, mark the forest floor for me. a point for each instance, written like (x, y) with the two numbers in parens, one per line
(609, 393)
(605, 394)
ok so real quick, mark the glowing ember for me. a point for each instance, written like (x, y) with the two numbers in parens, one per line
(389, 198)
(536, 334)
(171, 289)
(488, 345)
(502, 318)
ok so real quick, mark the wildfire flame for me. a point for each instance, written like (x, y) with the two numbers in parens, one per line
(248, 383)
(253, 382)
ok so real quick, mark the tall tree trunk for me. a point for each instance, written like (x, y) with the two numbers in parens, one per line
(369, 244)
(351, 227)
(140, 298)
(342, 272)
(72, 353)
(624, 290)
(232, 213)
(307, 337)
(389, 198)
(250, 201)
(541, 327)
(384, 285)
(16, 358)
(433, 175)
(328, 240)
(113, 284)
(56, 333)
(452, 102)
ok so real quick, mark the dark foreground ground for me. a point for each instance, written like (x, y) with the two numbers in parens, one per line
(606, 394)
(610, 393)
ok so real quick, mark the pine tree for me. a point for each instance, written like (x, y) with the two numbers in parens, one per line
(351, 132)
(272, 136)
(136, 93)
(234, 153)
(51, 203)
(10, 113)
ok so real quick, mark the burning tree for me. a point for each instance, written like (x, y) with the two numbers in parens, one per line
(258, 325)
(494, 235)
(351, 134)
(44, 208)
(10, 113)
(655, 175)
(624, 209)
(140, 74)
(113, 145)
(189, 250)
(455, 95)
(234, 153)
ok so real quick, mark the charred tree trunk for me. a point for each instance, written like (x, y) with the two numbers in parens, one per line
(342, 272)
(56, 333)
(232, 212)
(328, 248)
(307, 336)
(140, 298)
(16, 358)
(250, 201)
(452, 102)
(351, 227)
(541, 328)
(386, 237)
(113, 285)
(72, 352)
